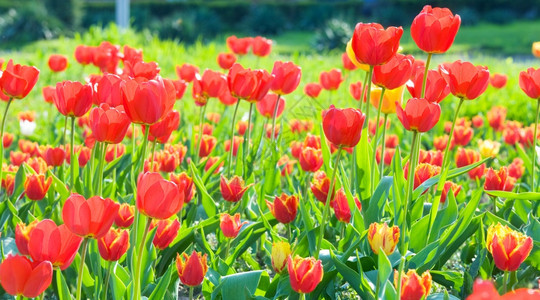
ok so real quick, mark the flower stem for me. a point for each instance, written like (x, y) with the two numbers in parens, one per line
(368, 97)
(199, 140)
(274, 116)
(232, 140)
(107, 277)
(143, 152)
(246, 141)
(2, 137)
(81, 267)
(191, 293)
(327, 204)
(100, 169)
(383, 147)
(364, 89)
(413, 157)
(424, 80)
(72, 155)
(494, 200)
(533, 186)
(228, 248)
(505, 282)
(302, 296)
(375, 142)
(137, 267)
(153, 155)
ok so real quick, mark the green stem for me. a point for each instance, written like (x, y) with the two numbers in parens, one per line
(81, 267)
(302, 296)
(505, 282)
(364, 89)
(413, 160)
(274, 116)
(425, 75)
(383, 147)
(100, 169)
(400, 274)
(327, 204)
(368, 97)
(140, 165)
(107, 277)
(534, 146)
(290, 231)
(133, 142)
(201, 119)
(72, 153)
(191, 293)
(378, 284)
(450, 136)
(494, 200)
(137, 268)
(65, 130)
(232, 140)
(375, 142)
(153, 155)
(228, 248)
(246, 141)
(2, 137)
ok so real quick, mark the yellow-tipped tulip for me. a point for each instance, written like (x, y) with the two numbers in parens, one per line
(280, 252)
(389, 99)
(380, 236)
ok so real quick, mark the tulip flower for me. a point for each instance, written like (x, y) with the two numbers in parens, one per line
(343, 127)
(212, 84)
(498, 81)
(484, 290)
(320, 185)
(488, 148)
(341, 207)
(162, 130)
(380, 236)
(497, 117)
(239, 46)
(280, 252)
(187, 72)
(114, 244)
(54, 156)
(106, 57)
(450, 186)
(226, 60)
(462, 135)
(373, 45)
(419, 115)
(413, 286)
(125, 216)
(310, 159)
(230, 225)
(304, 273)
(191, 269)
(498, 180)
(89, 218)
(22, 236)
(313, 90)
(21, 277)
(331, 80)
(16, 81)
(57, 62)
(269, 104)
(166, 232)
(158, 198)
(284, 208)
(185, 185)
(109, 124)
(36, 186)
(233, 190)
(466, 80)
(347, 63)
(508, 247)
(261, 46)
(286, 77)
(516, 168)
(73, 99)
(394, 73)
(434, 29)
(237, 140)
(147, 101)
(84, 54)
(313, 141)
(56, 244)
(436, 86)
(134, 69)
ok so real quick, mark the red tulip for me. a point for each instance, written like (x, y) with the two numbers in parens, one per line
(158, 198)
(237, 141)
(355, 89)
(312, 90)
(191, 269)
(22, 236)
(516, 168)
(114, 244)
(304, 273)
(231, 225)
(56, 244)
(477, 121)
(484, 290)
(341, 207)
(529, 82)
(48, 93)
(509, 248)
(267, 106)
(19, 276)
(226, 60)
(147, 102)
(72, 98)
(162, 130)
(185, 185)
(16, 81)
(310, 159)
(18, 158)
(136, 69)
(125, 216)
(54, 156)
(497, 117)
(132, 54)
(108, 90)
(466, 80)
(286, 77)
(419, 115)
(7, 140)
(84, 54)
(180, 88)
(413, 286)
(166, 232)
(187, 72)
(106, 57)
(251, 85)
(347, 63)
(331, 80)
(208, 143)
(227, 99)
(114, 151)
(498, 81)
(239, 46)
(261, 46)
(36, 187)
(320, 186)
(373, 45)
(434, 29)
(109, 124)
(462, 135)
(450, 186)
(284, 208)
(211, 85)
(394, 73)
(233, 190)
(343, 127)
(436, 87)
(499, 180)
(89, 218)
(57, 62)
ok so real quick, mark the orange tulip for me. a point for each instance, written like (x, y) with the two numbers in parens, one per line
(125, 216)
(413, 286)
(36, 187)
(114, 244)
(304, 273)
(22, 236)
(19, 276)
(284, 208)
(89, 218)
(508, 247)
(191, 269)
(166, 232)
(233, 190)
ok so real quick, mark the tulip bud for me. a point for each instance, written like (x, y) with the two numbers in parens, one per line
(166, 232)
(304, 273)
(233, 190)
(380, 236)
(231, 225)
(125, 216)
(284, 208)
(280, 253)
(36, 187)
(114, 244)
(191, 269)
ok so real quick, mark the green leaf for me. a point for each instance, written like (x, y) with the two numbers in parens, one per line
(207, 201)
(517, 196)
(163, 284)
(61, 285)
(60, 187)
(384, 271)
(356, 280)
(377, 202)
(363, 155)
(238, 286)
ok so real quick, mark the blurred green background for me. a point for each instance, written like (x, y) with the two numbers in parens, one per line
(494, 27)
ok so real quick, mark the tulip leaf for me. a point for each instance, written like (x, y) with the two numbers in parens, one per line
(517, 196)
(449, 279)
(384, 271)
(119, 280)
(238, 286)
(61, 285)
(207, 201)
(377, 202)
(363, 163)
(159, 290)
(525, 157)
(441, 296)
(59, 187)
(355, 280)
